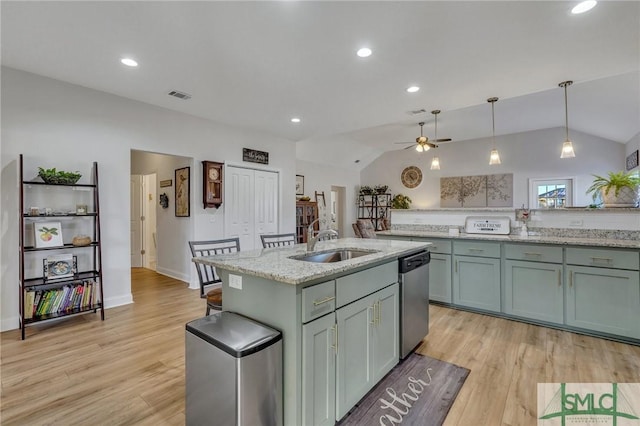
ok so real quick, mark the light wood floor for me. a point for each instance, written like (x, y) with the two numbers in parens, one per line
(129, 369)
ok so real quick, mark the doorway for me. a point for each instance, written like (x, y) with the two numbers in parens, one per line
(143, 221)
(338, 209)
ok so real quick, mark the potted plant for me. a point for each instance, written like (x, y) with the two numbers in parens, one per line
(380, 189)
(366, 190)
(618, 189)
(401, 201)
(53, 176)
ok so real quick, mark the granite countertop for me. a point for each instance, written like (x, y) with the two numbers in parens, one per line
(539, 239)
(275, 263)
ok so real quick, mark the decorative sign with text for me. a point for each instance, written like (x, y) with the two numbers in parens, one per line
(255, 156)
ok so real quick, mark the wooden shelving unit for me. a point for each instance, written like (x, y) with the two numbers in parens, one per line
(306, 212)
(375, 207)
(78, 290)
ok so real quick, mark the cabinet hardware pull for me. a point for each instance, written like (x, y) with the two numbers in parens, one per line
(379, 311)
(477, 250)
(335, 338)
(456, 266)
(322, 301)
(532, 253)
(570, 279)
(559, 278)
(373, 314)
(602, 259)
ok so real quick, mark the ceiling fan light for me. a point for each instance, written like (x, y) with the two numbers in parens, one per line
(435, 163)
(567, 150)
(494, 158)
(419, 148)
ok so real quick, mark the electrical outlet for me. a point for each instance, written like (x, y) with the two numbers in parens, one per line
(576, 222)
(235, 281)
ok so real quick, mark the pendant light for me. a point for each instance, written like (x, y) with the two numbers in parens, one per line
(435, 161)
(567, 146)
(494, 157)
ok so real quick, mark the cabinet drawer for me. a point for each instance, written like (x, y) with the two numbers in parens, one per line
(437, 246)
(608, 258)
(355, 286)
(476, 248)
(318, 300)
(533, 252)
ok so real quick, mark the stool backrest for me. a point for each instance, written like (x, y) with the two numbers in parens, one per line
(207, 273)
(278, 240)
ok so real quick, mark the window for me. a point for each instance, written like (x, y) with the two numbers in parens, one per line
(550, 193)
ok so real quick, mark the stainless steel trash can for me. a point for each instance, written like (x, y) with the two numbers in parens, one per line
(233, 369)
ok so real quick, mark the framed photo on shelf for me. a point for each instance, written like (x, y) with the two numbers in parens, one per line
(299, 185)
(183, 188)
(60, 266)
(47, 234)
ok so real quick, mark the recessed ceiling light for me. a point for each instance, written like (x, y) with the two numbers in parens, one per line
(129, 62)
(364, 52)
(295, 120)
(413, 89)
(584, 6)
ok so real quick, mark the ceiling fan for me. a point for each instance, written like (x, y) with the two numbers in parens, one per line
(422, 142)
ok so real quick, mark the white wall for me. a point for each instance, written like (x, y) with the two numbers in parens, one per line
(56, 124)
(320, 177)
(527, 155)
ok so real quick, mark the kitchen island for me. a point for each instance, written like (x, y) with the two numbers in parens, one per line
(339, 320)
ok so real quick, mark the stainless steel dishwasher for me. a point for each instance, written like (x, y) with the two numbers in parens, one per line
(414, 300)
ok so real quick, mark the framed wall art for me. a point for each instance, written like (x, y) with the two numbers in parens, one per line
(299, 185)
(632, 160)
(183, 189)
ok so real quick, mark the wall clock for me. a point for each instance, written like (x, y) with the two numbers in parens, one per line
(411, 176)
(212, 184)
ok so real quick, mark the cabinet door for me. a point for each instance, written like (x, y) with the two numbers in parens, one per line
(319, 371)
(354, 370)
(385, 331)
(440, 278)
(534, 290)
(606, 300)
(476, 282)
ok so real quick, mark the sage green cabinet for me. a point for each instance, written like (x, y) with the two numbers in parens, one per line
(604, 299)
(476, 282)
(319, 345)
(367, 345)
(534, 290)
(440, 278)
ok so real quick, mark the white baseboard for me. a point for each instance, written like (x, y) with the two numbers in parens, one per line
(174, 274)
(10, 323)
(112, 302)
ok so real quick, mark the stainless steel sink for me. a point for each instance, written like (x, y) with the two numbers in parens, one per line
(333, 255)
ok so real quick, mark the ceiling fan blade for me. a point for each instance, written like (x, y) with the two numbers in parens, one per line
(443, 140)
(403, 142)
(411, 146)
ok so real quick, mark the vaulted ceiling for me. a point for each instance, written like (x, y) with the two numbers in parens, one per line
(257, 64)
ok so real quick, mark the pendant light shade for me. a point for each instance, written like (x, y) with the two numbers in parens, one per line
(567, 146)
(494, 157)
(419, 148)
(435, 163)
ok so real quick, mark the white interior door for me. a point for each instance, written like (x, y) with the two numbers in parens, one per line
(239, 206)
(150, 204)
(136, 221)
(266, 205)
(251, 205)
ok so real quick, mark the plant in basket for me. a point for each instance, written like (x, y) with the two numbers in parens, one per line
(54, 176)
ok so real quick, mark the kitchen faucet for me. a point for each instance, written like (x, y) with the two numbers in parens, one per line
(311, 240)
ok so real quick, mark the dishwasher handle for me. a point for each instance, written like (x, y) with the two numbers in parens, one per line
(414, 261)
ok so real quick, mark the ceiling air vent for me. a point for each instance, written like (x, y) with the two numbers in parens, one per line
(417, 112)
(179, 95)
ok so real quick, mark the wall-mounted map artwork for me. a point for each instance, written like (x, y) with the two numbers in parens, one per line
(477, 191)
